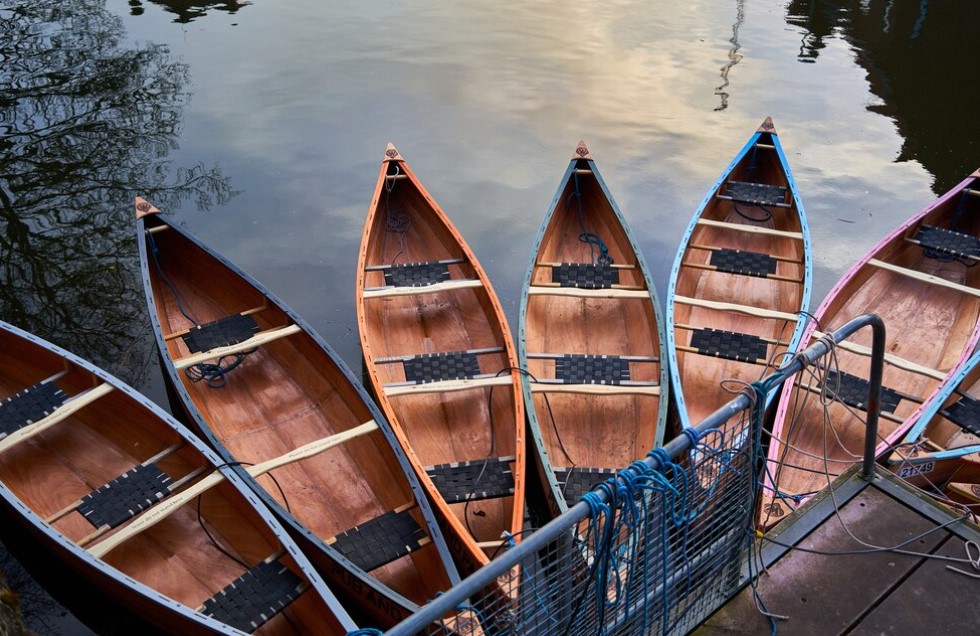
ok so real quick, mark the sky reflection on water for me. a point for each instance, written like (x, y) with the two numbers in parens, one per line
(289, 106)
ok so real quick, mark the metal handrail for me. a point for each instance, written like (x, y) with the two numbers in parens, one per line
(442, 605)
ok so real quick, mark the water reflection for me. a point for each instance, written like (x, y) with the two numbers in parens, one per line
(919, 57)
(186, 11)
(86, 123)
(733, 56)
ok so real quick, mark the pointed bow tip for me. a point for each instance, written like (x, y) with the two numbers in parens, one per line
(144, 207)
(976, 173)
(391, 153)
(582, 151)
(768, 126)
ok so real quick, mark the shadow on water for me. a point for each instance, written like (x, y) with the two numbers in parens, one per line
(186, 12)
(85, 125)
(920, 58)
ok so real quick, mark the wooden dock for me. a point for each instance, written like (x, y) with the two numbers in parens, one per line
(860, 590)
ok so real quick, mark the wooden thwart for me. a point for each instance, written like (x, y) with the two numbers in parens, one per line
(168, 506)
(714, 248)
(253, 342)
(752, 229)
(382, 292)
(614, 287)
(891, 359)
(596, 389)
(771, 341)
(612, 265)
(445, 261)
(578, 292)
(478, 352)
(67, 409)
(741, 309)
(927, 278)
(779, 277)
(447, 386)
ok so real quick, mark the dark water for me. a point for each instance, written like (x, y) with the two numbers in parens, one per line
(260, 125)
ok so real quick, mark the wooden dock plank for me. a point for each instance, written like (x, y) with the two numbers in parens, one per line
(829, 594)
(932, 598)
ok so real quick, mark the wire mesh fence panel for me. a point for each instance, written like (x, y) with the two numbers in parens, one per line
(656, 551)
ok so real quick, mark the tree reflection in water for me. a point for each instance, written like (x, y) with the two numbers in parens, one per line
(85, 124)
(187, 10)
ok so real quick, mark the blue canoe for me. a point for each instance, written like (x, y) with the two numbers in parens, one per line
(740, 279)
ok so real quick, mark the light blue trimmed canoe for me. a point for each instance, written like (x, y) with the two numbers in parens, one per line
(740, 280)
(590, 336)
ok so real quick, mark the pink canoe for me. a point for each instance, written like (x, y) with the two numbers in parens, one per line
(921, 281)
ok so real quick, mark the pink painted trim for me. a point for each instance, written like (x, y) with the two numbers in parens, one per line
(901, 430)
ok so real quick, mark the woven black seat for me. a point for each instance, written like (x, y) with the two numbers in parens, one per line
(745, 263)
(220, 333)
(436, 367)
(937, 239)
(585, 275)
(965, 413)
(255, 597)
(756, 193)
(853, 391)
(416, 274)
(474, 480)
(125, 496)
(30, 405)
(744, 347)
(591, 369)
(380, 540)
(575, 482)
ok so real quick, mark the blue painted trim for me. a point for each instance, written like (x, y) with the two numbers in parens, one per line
(932, 409)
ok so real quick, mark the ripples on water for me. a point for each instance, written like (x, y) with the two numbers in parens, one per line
(261, 126)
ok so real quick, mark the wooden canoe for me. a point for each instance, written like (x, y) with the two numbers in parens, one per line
(442, 363)
(590, 337)
(740, 279)
(350, 497)
(921, 281)
(945, 438)
(127, 501)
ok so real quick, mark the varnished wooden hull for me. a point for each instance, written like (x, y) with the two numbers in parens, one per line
(740, 279)
(195, 530)
(591, 338)
(291, 394)
(930, 307)
(448, 416)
